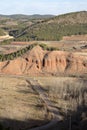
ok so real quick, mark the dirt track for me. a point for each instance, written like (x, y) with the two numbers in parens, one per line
(54, 112)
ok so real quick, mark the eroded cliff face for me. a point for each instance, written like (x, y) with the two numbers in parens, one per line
(39, 62)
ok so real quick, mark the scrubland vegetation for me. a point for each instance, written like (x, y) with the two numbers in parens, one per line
(67, 94)
(55, 28)
(63, 89)
(21, 52)
(52, 32)
(51, 29)
(2, 32)
(18, 99)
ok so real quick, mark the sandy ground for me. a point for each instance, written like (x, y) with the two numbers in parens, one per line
(5, 37)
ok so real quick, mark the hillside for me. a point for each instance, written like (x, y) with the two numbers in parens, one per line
(64, 94)
(37, 62)
(43, 84)
(2, 32)
(15, 24)
(55, 28)
(22, 16)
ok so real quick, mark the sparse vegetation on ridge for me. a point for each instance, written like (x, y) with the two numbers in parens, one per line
(13, 55)
(44, 85)
(55, 28)
(50, 29)
(2, 33)
(6, 42)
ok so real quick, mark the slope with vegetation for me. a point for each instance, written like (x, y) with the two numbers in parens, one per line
(18, 22)
(34, 61)
(2, 32)
(37, 27)
(21, 52)
(55, 28)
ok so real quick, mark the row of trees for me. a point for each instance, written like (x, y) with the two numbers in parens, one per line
(13, 55)
(45, 47)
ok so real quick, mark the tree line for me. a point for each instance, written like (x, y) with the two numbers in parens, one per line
(13, 55)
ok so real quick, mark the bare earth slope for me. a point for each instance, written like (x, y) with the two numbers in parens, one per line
(39, 62)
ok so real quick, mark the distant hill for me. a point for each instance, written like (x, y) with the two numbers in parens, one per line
(57, 27)
(19, 22)
(44, 27)
(22, 16)
(35, 16)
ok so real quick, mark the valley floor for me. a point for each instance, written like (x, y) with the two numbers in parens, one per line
(24, 102)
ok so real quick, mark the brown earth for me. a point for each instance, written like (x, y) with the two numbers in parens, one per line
(76, 37)
(20, 106)
(68, 43)
(39, 62)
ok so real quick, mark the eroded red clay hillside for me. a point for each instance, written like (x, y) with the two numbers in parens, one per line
(39, 62)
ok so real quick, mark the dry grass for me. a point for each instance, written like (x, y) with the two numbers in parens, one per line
(5, 49)
(18, 100)
(66, 93)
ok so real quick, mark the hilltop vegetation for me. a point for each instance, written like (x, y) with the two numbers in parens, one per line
(21, 52)
(22, 16)
(57, 27)
(44, 27)
(17, 22)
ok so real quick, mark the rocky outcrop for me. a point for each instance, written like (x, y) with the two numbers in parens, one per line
(39, 62)
(55, 61)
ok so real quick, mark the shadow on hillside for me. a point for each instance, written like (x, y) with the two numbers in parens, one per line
(76, 120)
(11, 124)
